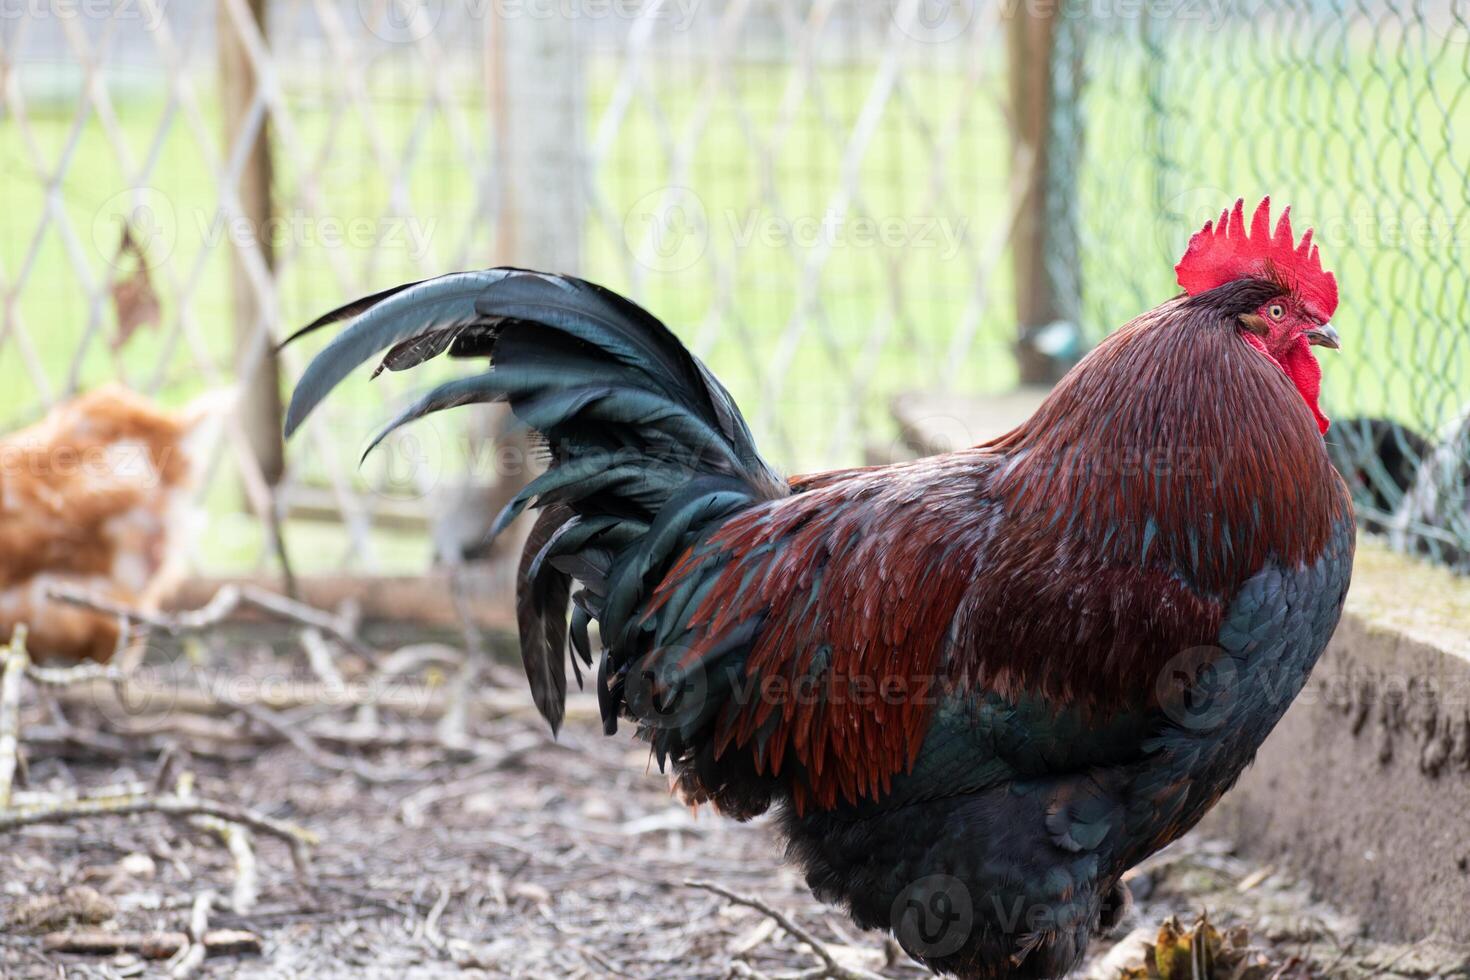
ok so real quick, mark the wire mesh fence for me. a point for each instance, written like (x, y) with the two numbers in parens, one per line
(1352, 112)
(812, 194)
(818, 196)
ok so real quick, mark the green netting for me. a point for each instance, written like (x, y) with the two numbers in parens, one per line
(1349, 113)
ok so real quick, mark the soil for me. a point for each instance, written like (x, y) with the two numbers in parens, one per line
(528, 857)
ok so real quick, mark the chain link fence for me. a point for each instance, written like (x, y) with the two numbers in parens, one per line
(817, 195)
(812, 194)
(1355, 114)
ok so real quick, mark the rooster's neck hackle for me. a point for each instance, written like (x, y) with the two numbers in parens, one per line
(1167, 445)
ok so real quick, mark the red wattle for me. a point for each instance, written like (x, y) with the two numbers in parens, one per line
(1302, 368)
(1304, 371)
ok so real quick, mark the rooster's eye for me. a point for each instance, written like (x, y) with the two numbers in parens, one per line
(1276, 311)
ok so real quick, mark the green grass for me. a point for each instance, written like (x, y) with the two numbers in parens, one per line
(1240, 114)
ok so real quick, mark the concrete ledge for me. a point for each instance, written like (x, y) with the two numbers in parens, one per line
(1364, 787)
(930, 423)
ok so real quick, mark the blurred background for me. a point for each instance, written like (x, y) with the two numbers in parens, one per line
(837, 204)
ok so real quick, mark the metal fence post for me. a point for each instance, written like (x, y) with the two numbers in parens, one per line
(540, 139)
(536, 100)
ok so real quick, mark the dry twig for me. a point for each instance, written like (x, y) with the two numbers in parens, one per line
(431, 923)
(13, 665)
(149, 945)
(247, 876)
(236, 839)
(191, 957)
(320, 658)
(830, 966)
(225, 603)
(416, 700)
(297, 838)
(79, 674)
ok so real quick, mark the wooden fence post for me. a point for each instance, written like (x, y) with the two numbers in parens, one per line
(260, 387)
(1043, 244)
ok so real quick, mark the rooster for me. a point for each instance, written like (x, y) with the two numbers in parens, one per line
(96, 496)
(977, 687)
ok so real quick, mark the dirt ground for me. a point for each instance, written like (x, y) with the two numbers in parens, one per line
(517, 856)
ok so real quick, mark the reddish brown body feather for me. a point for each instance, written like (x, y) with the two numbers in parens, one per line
(94, 497)
(1067, 560)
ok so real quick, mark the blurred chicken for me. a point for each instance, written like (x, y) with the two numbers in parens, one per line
(1380, 460)
(96, 496)
(1434, 518)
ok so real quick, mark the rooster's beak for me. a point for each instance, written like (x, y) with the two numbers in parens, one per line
(1324, 336)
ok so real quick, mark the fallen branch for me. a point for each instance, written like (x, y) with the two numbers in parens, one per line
(226, 602)
(297, 838)
(234, 836)
(79, 674)
(22, 800)
(170, 761)
(320, 658)
(65, 741)
(425, 599)
(150, 945)
(415, 699)
(830, 965)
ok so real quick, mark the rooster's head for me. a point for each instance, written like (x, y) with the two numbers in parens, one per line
(1294, 315)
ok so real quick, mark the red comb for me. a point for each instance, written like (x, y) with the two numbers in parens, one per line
(1227, 251)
